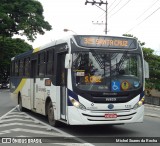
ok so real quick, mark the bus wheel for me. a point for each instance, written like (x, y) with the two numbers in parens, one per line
(50, 113)
(20, 104)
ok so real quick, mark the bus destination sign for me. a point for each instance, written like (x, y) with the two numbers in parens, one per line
(106, 41)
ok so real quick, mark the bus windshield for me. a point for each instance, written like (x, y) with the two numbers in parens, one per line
(96, 70)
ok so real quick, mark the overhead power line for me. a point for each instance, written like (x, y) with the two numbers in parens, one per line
(115, 6)
(111, 4)
(104, 10)
(120, 8)
(147, 10)
(143, 20)
(100, 16)
(100, 8)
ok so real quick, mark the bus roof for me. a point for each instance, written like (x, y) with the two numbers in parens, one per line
(53, 43)
(66, 39)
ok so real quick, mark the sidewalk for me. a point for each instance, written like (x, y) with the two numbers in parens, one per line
(152, 110)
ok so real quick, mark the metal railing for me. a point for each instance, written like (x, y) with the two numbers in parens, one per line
(152, 100)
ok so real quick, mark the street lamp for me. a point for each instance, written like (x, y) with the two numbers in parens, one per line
(66, 30)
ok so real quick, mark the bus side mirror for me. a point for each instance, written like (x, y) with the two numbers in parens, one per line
(146, 70)
(68, 61)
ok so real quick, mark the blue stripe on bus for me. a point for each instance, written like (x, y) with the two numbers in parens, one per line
(73, 95)
(141, 95)
(15, 82)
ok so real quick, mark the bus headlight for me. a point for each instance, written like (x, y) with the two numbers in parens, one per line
(77, 104)
(139, 103)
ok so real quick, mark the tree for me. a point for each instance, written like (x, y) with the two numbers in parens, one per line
(8, 49)
(22, 17)
(154, 69)
(129, 35)
(154, 66)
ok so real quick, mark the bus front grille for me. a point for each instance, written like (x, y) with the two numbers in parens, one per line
(101, 117)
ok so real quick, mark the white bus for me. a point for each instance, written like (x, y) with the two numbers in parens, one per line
(82, 80)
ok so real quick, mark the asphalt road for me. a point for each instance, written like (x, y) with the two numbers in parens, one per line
(97, 135)
(6, 104)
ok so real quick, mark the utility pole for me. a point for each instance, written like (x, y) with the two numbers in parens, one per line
(100, 3)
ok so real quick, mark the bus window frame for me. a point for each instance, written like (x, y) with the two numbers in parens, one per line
(41, 64)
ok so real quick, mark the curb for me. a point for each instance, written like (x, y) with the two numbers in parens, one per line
(152, 107)
(152, 115)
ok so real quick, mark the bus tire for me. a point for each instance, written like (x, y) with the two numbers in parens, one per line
(50, 113)
(21, 108)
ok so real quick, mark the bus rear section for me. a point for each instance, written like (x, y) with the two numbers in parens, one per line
(38, 81)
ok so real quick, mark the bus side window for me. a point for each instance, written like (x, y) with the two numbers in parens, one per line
(41, 64)
(16, 68)
(21, 67)
(49, 62)
(27, 67)
(13, 68)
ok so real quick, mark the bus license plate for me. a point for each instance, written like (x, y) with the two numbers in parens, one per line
(110, 115)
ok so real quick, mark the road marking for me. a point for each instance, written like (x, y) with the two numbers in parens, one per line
(9, 116)
(62, 132)
(30, 131)
(23, 124)
(8, 113)
(18, 113)
(17, 116)
(16, 119)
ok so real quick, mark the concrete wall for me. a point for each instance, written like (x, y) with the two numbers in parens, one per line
(152, 100)
(155, 93)
(152, 97)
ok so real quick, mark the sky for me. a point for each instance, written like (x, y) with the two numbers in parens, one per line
(141, 18)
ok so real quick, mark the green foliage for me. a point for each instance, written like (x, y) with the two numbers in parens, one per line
(154, 66)
(23, 17)
(154, 69)
(20, 17)
(8, 49)
(129, 35)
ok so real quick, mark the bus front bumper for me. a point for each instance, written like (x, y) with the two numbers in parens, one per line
(88, 117)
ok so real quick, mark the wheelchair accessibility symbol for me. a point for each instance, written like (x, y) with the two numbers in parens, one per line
(116, 86)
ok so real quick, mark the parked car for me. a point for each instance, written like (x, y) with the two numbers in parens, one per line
(5, 85)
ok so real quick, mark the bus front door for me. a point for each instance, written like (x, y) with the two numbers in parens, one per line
(33, 82)
(62, 73)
